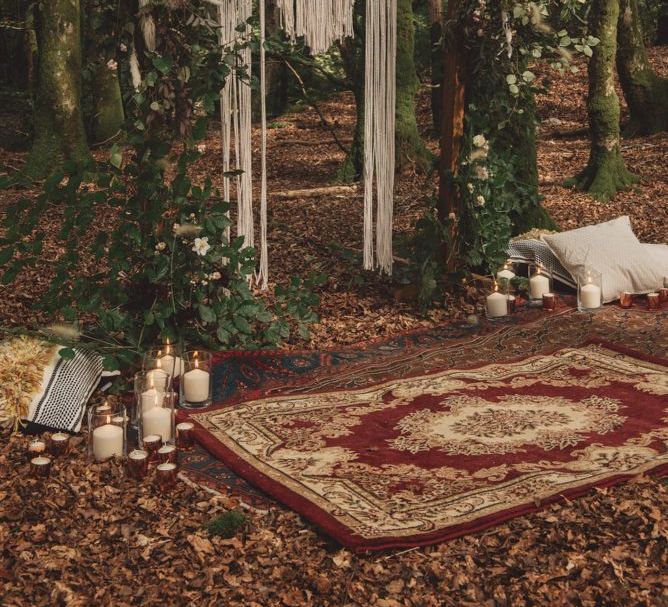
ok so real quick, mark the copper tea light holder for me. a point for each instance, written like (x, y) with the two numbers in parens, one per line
(168, 454)
(40, 466)
(151, 444)
(165, 476)
(549, 302)
(625, 300)
(36, 448)
(653, 302)
(185, 436)
(138, 464)
(663, 295)
(59, 444)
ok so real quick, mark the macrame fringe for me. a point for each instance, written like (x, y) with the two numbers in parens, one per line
(379, 126)
(262, 277)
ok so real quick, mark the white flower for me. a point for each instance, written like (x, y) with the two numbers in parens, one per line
(201, 148)
(469, 187)
(479, 141)
(192, 215)
(480, 200)
(205, 282)
(201, 246)
(215, 276)
(482, 173)
(112, 65)
(161, 246)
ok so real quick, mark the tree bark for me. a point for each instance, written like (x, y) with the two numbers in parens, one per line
(645, 92)
(605, 172)
(453, 97)
(411, 151)
(59, 127)
(108, 104)
(436, 38)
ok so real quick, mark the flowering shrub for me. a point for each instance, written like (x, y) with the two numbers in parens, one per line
(167, 268)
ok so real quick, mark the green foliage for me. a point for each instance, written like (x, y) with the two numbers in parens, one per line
(226, 525)
(166, 268)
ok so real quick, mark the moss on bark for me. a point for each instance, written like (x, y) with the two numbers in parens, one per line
(59, 128)
(605, 172)
(645, 92)
(108, 104)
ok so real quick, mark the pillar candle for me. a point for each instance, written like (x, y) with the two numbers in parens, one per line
(539, 284)
(196, 385)
(172, 364)
(590, 296)
(497, 305)
(107, 442)
(151, 398)
(505, 273)
(157, 420)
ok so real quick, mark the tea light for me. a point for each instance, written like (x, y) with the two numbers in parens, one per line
(653, 301)
(157, 420)
(107, 442)
(138, 464)
(663, 295)
(40, 467)
(196, 384)
(59, 444)
(165, 475)
(539, 284)
(549, 302)
(625, 300)
(151, 444)
(168, 454)
(36, 448)
(497, 304)
(185, 435)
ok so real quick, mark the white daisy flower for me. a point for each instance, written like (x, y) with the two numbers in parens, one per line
(479, 141)
(201, 246)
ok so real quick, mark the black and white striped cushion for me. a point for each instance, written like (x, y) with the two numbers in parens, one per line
(536, 251)
(66, 388)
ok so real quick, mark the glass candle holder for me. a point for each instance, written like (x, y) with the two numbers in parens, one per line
(107, 432)
(196, 385)
(167, 356)
(156, 366)
(540, 283)
(625, 300)
(590, 291)
(507, 272)
(156, 417)
(150, 390)
(496, 304)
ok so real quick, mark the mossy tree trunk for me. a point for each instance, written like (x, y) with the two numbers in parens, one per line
(436, 40)
(645, 92)
(605, 172)
(107, 103)
(411, 151)
(59, 127)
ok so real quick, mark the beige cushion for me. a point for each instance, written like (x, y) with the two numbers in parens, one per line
(612, 249)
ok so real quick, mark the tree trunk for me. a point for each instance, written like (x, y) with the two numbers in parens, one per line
(453, 96)
(645, 92)
(59, 127)
(436, 38)
(108, 104)
(605, 173)
(411, 151)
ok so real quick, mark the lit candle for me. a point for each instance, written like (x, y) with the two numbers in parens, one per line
(171, 363)
(157, 420)
(107, 442)
(168, 453)
(506, 272)
(549, 302)
(539, 284)
(165, 475)
(497, 304)
(152, 442)
(36, 448)
(626, 299)
(184, 435)
(138, 464)
(158, 374)
(196, 384)
(40, 466)
(590, 296)
(59, 444)
(653, 302)
(152, 397)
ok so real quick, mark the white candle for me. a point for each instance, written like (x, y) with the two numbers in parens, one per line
(590, 296)
(157, 420)
(151, 398)
(157, 376)
(505, 273)
(497, 305)
(172, 364)
(539, 284)
(107, 442)
(196, 385)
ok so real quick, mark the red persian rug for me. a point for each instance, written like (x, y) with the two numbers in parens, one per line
(422, 459)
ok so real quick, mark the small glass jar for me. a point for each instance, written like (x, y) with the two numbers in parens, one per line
(196, 385)
(156, 416)
(540, 283)
(107, 432)
(590, 291)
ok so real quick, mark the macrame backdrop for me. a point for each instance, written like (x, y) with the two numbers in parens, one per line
(321, 23)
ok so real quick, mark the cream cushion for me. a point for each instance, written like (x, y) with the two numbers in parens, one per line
(612, 249)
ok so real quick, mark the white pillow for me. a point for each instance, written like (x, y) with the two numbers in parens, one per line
(612, 249)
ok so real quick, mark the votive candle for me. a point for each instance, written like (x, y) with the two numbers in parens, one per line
(36, 448)
(138, 464)
(168, 454)
(40, 466)
(653, 301)
(151, 444)
(165, 475)
(59, 444)
(185, 436)
(626, 299)
(549, 302)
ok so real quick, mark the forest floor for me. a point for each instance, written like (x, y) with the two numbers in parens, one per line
(607, 548)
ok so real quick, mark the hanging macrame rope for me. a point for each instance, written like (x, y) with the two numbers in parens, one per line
(379, 126)
(263, 275)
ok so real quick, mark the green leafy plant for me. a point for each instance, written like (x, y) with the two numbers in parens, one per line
(227, 525)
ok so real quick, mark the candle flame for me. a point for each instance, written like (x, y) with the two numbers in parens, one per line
(197, 363)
